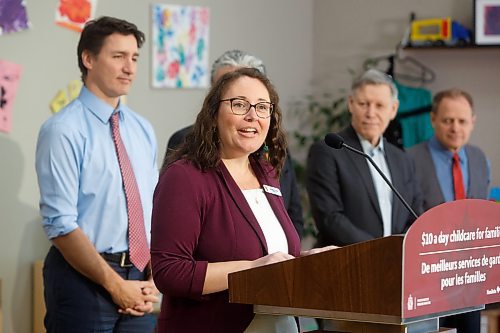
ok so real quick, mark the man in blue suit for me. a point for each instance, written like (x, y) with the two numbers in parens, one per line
(453, 119)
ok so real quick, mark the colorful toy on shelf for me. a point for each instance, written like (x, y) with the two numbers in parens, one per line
(439, 32)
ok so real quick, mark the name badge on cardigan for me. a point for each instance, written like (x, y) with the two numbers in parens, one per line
(272, 190)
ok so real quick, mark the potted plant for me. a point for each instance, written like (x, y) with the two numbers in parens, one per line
(315, 116)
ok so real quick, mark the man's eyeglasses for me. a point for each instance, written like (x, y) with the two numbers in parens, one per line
(242, 107)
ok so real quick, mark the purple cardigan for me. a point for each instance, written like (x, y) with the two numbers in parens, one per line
(201, 217)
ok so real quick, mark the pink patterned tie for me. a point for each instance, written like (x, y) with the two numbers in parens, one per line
(138, 244)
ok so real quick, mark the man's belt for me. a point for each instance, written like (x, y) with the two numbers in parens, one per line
(121, 258)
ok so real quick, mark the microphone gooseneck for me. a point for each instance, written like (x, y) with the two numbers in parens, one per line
(337, 142)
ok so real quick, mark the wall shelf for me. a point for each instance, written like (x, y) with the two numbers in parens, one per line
(445, 47)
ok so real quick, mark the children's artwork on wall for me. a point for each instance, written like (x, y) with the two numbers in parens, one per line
(59, 101)
(73, 14)
(74, 88)
(487, 22)
(180, 46)
(67, 94)
(10, 74)
(64, 96)
(13, 16)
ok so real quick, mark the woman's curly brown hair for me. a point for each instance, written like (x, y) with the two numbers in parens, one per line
(202, 146)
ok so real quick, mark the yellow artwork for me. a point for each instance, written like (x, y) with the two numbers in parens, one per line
(59, 101)
(66, 95)
(74, 88)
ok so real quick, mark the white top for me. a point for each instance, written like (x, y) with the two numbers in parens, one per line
(271, 227)
(384, 192)
(276, 241)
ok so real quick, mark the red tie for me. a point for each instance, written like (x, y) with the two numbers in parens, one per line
(458, 182)
(138, 244)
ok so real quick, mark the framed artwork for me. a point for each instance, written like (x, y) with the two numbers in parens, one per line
(180, 46)
(487, 22)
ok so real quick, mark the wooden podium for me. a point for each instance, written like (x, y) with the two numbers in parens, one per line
(369, 286)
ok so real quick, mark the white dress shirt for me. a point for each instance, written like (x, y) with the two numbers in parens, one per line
(384, 192)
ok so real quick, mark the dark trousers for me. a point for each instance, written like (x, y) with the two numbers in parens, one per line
(76, 304)
(469, 322)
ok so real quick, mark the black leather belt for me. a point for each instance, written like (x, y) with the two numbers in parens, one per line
(122, 258)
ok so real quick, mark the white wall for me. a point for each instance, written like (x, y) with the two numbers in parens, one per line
(300, 42)
(346, 32)
(278, 31)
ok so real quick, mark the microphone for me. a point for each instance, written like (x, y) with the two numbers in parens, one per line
(337, 142)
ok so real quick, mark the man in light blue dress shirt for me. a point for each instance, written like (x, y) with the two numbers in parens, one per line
(453, 120)
(90, 284)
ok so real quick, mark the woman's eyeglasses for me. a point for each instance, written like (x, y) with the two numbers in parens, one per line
(242, 107)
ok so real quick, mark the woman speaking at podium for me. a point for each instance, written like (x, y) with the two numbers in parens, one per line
(218, 209)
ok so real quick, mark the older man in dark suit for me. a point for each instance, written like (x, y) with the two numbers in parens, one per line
(350, 201)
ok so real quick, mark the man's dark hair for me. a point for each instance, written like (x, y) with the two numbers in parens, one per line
(95, 32)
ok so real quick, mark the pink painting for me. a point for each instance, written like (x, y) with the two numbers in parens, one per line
(10, 74)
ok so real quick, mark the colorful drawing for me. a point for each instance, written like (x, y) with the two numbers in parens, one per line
(59, 101)
(73, 14)
(64, 96)
(180, 46)
(492, 20)
(13, 16)
(10, 74)
(74, 88)
(487, 22)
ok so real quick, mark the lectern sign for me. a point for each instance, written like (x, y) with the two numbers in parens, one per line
(451, 258)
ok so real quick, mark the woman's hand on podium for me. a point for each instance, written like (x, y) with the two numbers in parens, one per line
(271, 259)
(317, 250)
